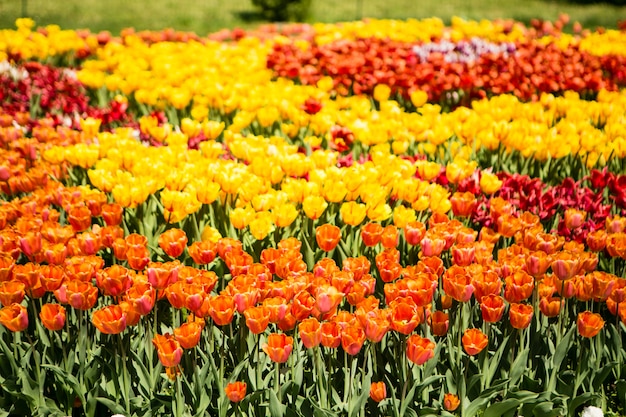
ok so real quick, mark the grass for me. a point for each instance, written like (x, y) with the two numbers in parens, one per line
(206, 16)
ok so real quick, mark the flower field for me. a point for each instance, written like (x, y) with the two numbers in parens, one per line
(383, 217)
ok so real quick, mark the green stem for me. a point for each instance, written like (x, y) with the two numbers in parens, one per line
(277, 383)
(126, 391)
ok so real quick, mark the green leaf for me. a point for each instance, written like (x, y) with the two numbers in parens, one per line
(481, 402)
(580, 400)
(546, 409)
(562, 348)
(113, 407)
(358, 403)
(502, 408)
(519, 367)
(276, 408)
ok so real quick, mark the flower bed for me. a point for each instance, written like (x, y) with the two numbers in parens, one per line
(366, 218)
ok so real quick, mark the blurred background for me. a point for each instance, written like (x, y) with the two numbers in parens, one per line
(207, 16)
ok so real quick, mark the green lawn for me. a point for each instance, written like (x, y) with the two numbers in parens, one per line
(205, 16)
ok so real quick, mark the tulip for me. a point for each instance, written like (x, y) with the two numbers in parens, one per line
(518, 286)
(52, 316)
(188, 334)
(376, 325)
(143, 296)
(589, 324)
(451, 402)
(257, 318)
(474, 341)
(202, 252)
(378, 391)
(132, 315)
(463, 204)
(14, 317)
(331, 334)
(80, 218)
(173, 242)
(113, 281)
(419, 349)
(439, 323)
(80, 295)
(352, 339)
(492, 308)
(112, 214)
(404, 316)
(222, 309)
(310, 331)
(12, 292)
(551, 306)
(327, 236)
(565, 265)
(110, 319)
(168, 349)
(236, 391)
(278, 347)
(389, 237)
(162, 274)
(371, 233)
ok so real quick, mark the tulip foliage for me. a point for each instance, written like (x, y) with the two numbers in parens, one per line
(360, 219)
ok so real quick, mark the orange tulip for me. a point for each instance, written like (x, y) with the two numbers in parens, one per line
(492, 308)
(376, 325)
(110, 319)
(404, 316)
(12, 292)
(80, 295)
(113, 281)
(378, 391)
(419, 349)
(463, 204)
(414, 232)
(389, 237)
(518, 286)
(451, 402)
(168, 349)
(278, 347)
(188, 334)
(80, 218)
(486, 283)
(331, 334)
(52, 316)
(14, 317)
(457, 283)
(474, 341)
(143, 296)
(112, 214)
(288, 322)
(551, 306)
(463, 253)
(236, 391)
(310, 331)
(565, 264)
(327, 298)
(203, 252)
(327, 236)
(520, 315)
(161, 274)
(222, 309)
(132, 315)
(138, 257)
(352, 339)
(303, 304)
(257, 318)
(589, 324)
(439, 323)
(371, 233)
(596, 240)
(173, 242)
